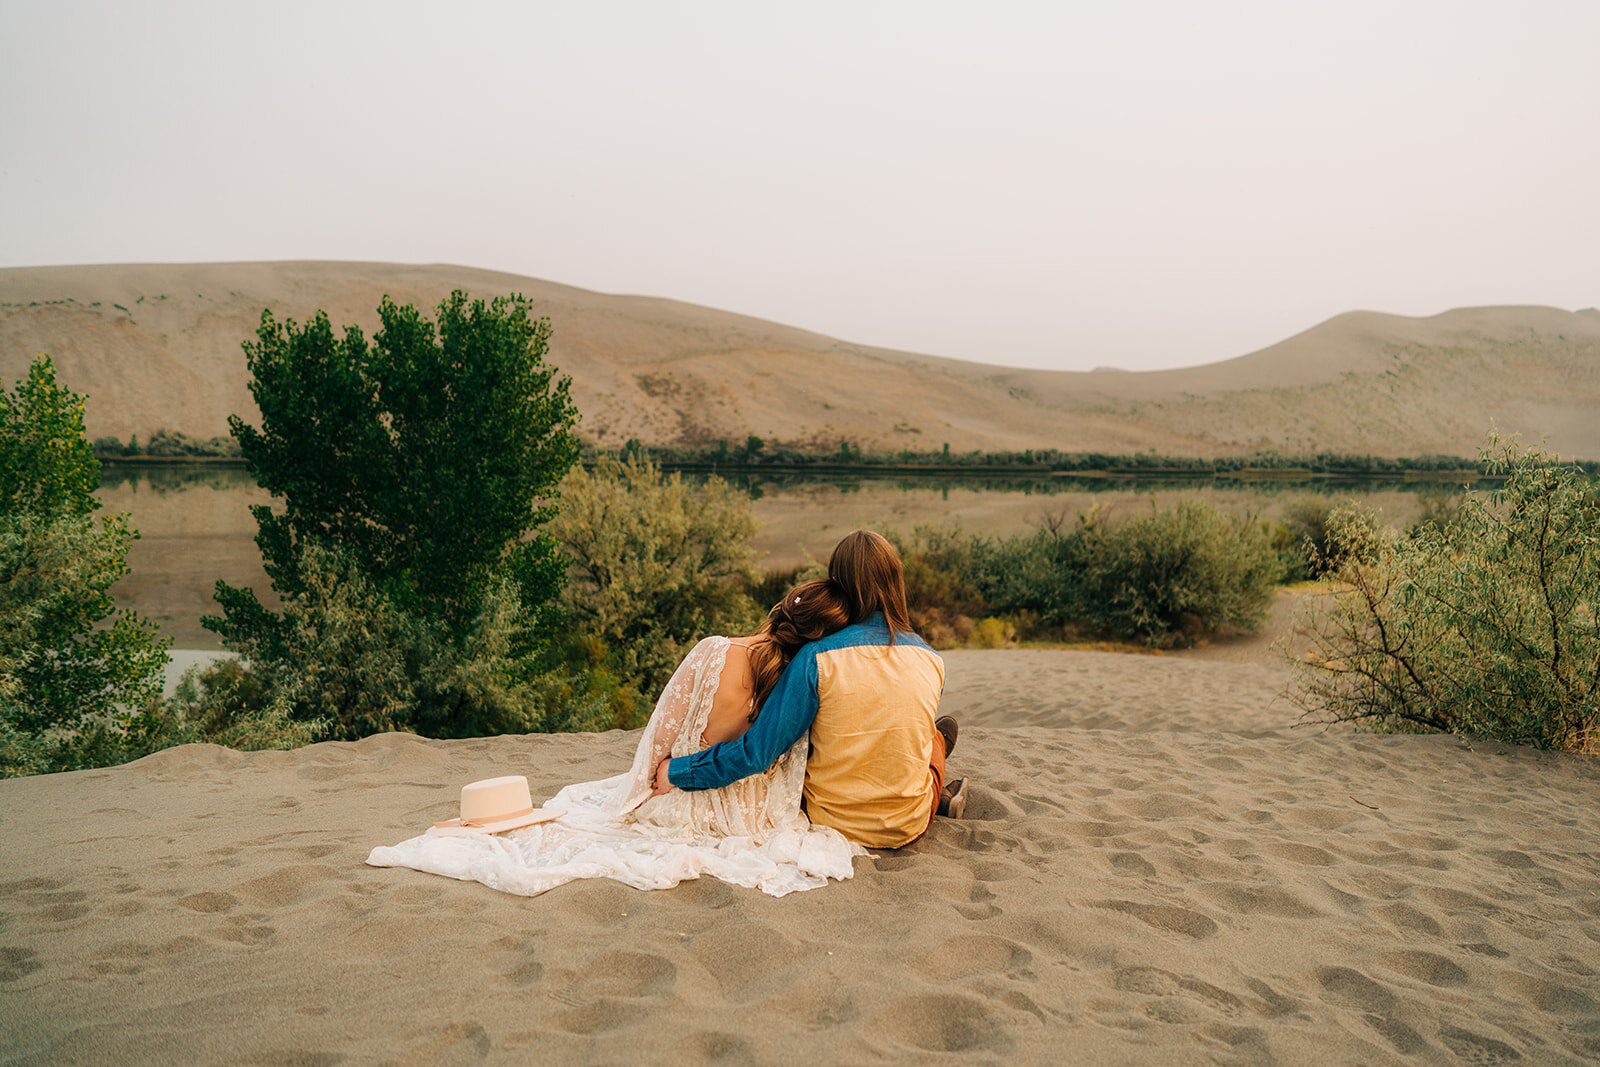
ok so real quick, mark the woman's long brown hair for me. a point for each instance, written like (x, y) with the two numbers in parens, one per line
(809, 611)
(866, 569)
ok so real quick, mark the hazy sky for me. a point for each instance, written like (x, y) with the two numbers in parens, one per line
(1044, 184)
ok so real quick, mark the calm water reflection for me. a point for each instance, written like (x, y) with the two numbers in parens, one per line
(196, 527)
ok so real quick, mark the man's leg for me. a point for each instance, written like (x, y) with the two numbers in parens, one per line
(936, 771)
(953, 797)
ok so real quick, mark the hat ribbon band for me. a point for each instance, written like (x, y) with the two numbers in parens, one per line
(490, 819)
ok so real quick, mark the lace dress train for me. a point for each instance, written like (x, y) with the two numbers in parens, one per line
(751, 833)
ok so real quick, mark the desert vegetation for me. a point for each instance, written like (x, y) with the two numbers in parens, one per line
(70, 663)
(165, 444)
(1166, 578)
(443, 564)
(1483, 621)
(844, 453)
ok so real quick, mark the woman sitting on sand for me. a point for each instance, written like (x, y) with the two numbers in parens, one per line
(751, 833)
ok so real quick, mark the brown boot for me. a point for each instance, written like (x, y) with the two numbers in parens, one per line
(949, 729)
(953, 802)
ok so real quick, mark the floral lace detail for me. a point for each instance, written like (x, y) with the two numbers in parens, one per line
(751, 833)
(752, 807)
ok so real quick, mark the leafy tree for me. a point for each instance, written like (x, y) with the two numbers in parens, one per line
(1484, 624)
(46, 464)
(67, 682)
(658, 564)
(424, 462)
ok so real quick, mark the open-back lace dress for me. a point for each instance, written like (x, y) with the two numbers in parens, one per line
(751, 833)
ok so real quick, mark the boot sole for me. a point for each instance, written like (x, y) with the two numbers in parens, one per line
(956, 804)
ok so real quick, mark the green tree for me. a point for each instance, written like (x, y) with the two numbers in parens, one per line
(658, 563)
(68, 682)
(425, 462)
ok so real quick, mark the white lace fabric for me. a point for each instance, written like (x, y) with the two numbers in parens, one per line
(750, 833)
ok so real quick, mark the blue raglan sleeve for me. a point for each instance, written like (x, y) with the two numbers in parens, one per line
(784, 719)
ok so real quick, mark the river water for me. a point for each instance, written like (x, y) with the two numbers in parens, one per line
(195, 524)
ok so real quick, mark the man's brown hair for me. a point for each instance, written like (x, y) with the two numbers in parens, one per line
(866, 568)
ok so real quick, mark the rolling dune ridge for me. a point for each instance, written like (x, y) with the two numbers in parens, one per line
(158, 346)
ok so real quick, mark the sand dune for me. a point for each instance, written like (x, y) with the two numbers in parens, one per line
(1154, 869)
(158, 346)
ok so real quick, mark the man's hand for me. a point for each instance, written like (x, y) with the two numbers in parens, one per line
(663, 783)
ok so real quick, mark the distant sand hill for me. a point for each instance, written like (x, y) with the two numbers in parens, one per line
(158, 346)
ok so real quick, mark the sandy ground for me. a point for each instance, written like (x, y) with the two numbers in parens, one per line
(1154, 868)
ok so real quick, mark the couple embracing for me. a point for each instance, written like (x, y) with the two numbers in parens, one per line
(770, 760)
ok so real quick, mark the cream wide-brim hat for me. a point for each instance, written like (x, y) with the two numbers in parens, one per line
(494, 806)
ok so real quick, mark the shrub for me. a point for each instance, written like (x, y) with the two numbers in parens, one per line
(1035, 576)
(351, 658)
(992, 633)
(222, 703)
(941, 564)
(71, 666)
(1169, 577)
(1322, 530)
(1485, 626)
(1439, 508)
(656, 564)
(353, 663)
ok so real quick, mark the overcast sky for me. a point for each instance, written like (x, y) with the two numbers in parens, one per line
(1140, 184)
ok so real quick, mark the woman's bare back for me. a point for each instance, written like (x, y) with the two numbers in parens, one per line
(729, 717)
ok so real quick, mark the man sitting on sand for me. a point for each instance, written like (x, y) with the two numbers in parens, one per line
(868, 694)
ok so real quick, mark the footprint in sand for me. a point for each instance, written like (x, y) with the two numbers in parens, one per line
(713, 1047)
(597, 1017)
(17, 962)
(1305, 855)
(1427, 967)
(1476, 1048)
(1257, 900)
(1131, 864)
(122, 909)
(1204, 999)
(465, 1042)
(1483, 948)
(290, 885)
(943, 1022)
(1349, 988)
(1549, 997)
(208, 902)
(748, 960)
(1166, 917)
(997, 870)
(1409, 919)
(981, 904)
(597, 902)
(972, 954)
(626, 974)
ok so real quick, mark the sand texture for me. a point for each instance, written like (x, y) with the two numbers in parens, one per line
(157, 345)
(1153, 869)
